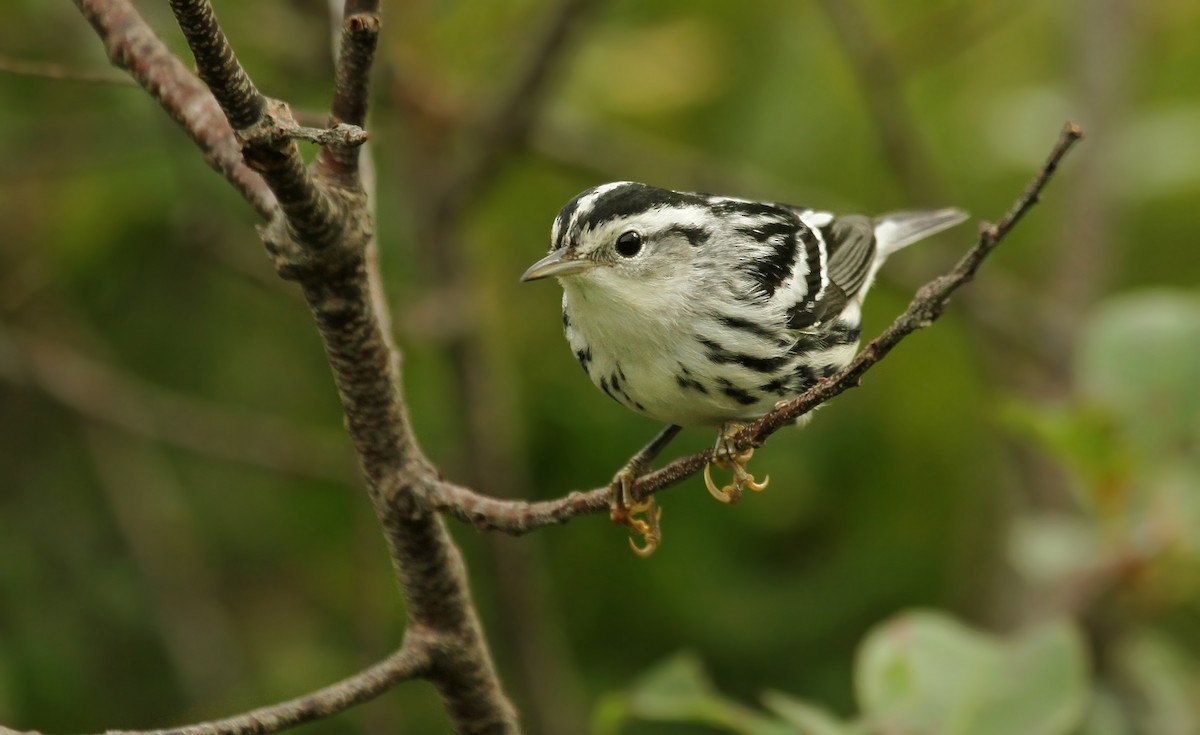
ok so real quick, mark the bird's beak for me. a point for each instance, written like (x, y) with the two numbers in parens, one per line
(558, 263)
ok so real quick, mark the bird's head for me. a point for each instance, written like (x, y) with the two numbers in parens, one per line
(621, 233)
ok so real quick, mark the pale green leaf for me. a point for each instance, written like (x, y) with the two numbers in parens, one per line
(926, 673)
(1040, 688)
(808, 718)
(679, 690)
(923, 672)
(1139, 355)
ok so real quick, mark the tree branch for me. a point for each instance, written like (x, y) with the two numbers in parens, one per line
(217, 65)
(132, 46)
(543, 680)
(320, 238)
(518, 517)
(356, 52)
(263, 127)
(411, 661)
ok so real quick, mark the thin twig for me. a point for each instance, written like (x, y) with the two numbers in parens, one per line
(412, 660)
(881, 80)
(516, 517)
(355, 54)
(341, 135)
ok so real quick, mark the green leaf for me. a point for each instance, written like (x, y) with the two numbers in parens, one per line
(922, 672)
(679, 690)
(1139, 356)
(926, 673)
(810, 719)
(1041, 687)
(677, 686)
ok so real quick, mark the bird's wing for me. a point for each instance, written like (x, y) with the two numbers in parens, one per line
(851, 245)
(850, 250)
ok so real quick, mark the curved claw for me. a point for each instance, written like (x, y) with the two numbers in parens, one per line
(649, 531)
(623, 509)
(744, 479)
(637, 526)
(757, 487)
(728, 494)
(643, 552)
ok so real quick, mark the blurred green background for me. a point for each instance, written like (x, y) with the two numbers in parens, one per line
(182, 534)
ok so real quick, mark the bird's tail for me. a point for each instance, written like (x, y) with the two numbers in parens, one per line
(898, 229)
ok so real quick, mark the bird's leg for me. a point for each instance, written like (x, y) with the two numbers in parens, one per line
(624, 508)
(726, 457)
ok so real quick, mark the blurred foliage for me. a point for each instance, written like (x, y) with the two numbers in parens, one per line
(919, 673)
(1010, 478)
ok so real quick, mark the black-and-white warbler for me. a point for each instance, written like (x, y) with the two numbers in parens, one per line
(706, 311)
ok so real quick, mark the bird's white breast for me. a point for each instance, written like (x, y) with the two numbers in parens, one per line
(642, 349)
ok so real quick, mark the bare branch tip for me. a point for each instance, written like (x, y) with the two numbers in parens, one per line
(363, 24)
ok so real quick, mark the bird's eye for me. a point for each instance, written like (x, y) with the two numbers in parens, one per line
(629, 244)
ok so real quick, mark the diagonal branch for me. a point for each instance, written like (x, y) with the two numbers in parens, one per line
(217, 65)
(356, 52)
(132, 45)
(518, 517)
(411, 661)
(262, 127)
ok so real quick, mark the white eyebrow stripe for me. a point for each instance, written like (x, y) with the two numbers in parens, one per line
(585, 204)
(678, 215)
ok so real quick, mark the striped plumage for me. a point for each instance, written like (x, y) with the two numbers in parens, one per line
(696, 310)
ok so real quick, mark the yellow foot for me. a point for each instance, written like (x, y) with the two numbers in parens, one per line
(725, 458)
(625, 510)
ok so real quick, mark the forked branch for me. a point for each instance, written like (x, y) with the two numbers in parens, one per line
(263, 127)
(318, 236)
(518, 517)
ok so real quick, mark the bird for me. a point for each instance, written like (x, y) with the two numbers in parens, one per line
(706, 311)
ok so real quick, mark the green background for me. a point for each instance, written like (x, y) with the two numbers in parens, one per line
(145, 584)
